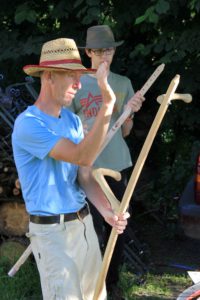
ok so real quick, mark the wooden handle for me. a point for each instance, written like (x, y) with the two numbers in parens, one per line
(152, 79)
(17, 184)
(99, 176)
(132, 182)
(187, 98)
(20, 261)
(128, 110)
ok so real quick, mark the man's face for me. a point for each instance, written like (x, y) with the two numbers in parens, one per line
(98, 56)
(65, 86)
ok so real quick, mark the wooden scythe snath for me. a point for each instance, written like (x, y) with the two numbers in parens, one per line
(20, 261)
(108, 137)
(128, 110)
(134, 177)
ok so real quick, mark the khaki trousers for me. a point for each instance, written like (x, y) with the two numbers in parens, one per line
(68, 259)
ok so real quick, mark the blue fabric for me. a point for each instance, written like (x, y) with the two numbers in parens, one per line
(49, 186)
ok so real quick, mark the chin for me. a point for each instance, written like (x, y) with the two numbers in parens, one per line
(67, 104)
(68, 101)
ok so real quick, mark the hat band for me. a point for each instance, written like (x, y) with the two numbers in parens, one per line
(60, 62)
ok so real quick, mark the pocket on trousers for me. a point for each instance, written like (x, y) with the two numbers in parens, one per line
(43, 230)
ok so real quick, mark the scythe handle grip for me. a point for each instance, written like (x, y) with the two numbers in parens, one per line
(99, 177)
(187, 98)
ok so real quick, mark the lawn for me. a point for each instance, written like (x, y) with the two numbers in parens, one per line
(25, 284)
(162, 280)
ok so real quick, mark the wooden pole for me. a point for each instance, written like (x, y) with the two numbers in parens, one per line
(20, 261)
(99, 177)
(132, 182)
(128, 111)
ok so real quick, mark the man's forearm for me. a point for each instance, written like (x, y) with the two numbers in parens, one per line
(91, 144)
(127, 127)
(92, 190)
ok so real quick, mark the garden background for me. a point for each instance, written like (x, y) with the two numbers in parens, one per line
(154, 32)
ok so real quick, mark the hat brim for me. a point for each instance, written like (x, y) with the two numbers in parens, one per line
(101, 45)
(35, 70)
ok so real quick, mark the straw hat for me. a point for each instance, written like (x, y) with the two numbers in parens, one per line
(100, 36)
(58, 55)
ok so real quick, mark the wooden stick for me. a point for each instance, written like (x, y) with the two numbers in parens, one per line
(20, 261)
(15, 191)
(127, 112)
(185, 97)
(99, 177)
(1, 189)
(132, 182)
(17, 184)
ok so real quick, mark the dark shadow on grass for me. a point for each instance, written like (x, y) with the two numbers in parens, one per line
(143, 297)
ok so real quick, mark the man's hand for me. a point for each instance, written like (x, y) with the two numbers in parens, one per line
(108, 95)
(127, 126)
(119, 222)
(135, 103)
(102, 75)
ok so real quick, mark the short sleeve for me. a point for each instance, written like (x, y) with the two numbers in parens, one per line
(34, 136)
(128, 93)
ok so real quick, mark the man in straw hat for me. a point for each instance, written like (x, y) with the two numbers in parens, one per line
(49, 150)
(100, 47)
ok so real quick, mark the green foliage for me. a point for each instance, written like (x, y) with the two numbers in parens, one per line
(157, 31)
(25, 13)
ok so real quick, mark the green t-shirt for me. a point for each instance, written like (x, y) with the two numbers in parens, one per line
(87, 103)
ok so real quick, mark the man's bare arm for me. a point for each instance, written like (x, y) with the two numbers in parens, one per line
(85, 152)
(96, 196)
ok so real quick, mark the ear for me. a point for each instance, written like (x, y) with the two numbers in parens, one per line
(50, 76)
(88, 52)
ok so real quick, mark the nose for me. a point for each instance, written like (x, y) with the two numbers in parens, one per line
(77, 84)
(104, 53)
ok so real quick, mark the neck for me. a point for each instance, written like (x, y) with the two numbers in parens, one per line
(48, 106)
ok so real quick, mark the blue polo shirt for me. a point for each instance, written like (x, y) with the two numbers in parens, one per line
(49, 186)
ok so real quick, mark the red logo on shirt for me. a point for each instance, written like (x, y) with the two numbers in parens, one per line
(91, 105)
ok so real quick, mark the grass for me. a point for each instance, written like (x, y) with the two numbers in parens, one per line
(153, 286)
(25, 284)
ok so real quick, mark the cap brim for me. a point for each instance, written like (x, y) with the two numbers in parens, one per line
(101, 45)
(35, 70)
